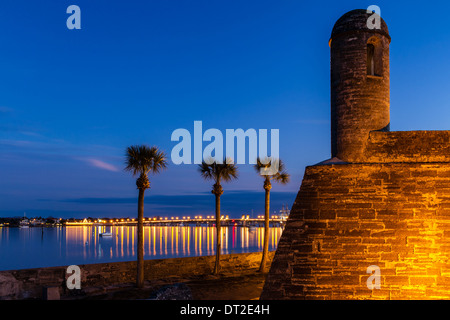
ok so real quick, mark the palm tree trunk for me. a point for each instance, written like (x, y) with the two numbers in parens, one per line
(140, 241)
(262, 267)
(219, 236)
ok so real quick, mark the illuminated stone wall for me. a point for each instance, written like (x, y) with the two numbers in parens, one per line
(408, 146)
(95, 278)
(382, 200)
(359, 102)
(349, 217)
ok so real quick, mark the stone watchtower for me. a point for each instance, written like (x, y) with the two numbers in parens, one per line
(359, 84)
(382, 199)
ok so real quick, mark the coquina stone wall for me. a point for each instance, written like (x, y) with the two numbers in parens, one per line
(348, 217)
(359, 101)
(408, 146)
(383, 199)
(29, 283)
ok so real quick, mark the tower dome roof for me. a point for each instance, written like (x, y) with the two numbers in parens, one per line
(356, 20)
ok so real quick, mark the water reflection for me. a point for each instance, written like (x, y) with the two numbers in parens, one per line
(60, 246)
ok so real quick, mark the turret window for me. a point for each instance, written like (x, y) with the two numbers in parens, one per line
(374, 57)
(370, 59)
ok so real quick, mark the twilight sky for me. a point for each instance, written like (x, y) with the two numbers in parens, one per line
(71, 101)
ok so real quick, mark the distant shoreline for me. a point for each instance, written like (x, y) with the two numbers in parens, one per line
(245, 221)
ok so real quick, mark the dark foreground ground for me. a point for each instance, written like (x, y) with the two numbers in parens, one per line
(245, 285)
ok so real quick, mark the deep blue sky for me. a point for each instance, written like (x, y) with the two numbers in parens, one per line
(71, 101)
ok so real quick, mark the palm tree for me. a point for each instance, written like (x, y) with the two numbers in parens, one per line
(266, 170)
(142, 160)
(218, 172)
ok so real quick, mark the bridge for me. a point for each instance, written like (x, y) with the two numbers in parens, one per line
(245, 220)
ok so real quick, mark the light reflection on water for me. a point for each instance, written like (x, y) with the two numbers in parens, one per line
(61, 246)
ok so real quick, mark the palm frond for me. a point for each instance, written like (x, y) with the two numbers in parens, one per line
(261, 164)
(263, 167)
(206, 170)
(142, 159)
(282, 177)
(212, 170)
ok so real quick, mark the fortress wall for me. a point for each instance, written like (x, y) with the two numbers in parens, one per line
(360, 98)
(408, 146)
(96, 278)
(349, 217)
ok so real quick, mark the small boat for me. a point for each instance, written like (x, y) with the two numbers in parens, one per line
(105, 234)
(24, 224)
